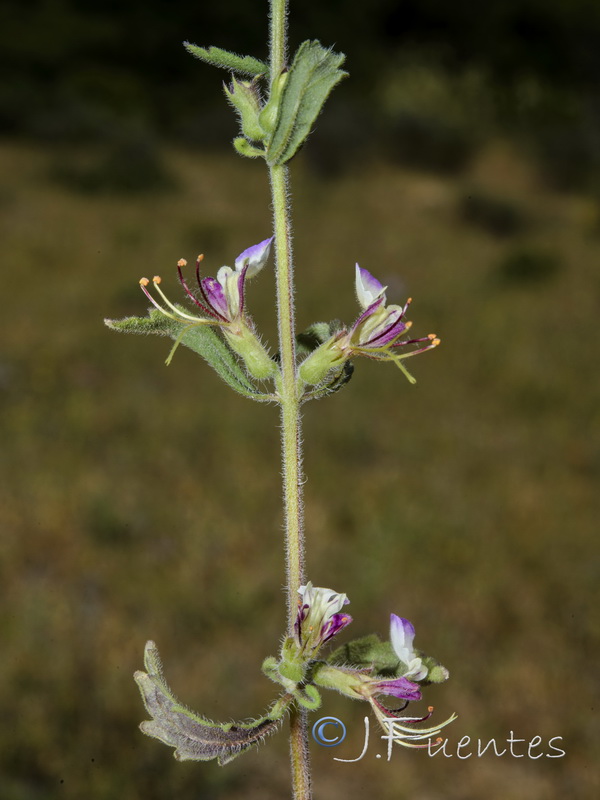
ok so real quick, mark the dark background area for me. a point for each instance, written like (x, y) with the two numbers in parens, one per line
(116, 73)
(460, 164)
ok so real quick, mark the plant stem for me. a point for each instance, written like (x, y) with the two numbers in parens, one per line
(290, 409)
(292, 459)
(290, 406)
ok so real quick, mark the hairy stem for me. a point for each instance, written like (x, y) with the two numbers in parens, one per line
(290, 409)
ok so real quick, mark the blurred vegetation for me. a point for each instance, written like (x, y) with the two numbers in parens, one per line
(460, 164)
(429, 78)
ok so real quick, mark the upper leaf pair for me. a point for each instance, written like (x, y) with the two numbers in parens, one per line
(275, 129)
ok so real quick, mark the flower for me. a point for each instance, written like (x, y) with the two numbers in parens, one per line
(378, 333)
(319, 617)
(380, 327)
(402, 633)
(221, 299)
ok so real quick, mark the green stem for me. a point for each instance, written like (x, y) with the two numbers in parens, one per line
(290, 410)
(291, 456)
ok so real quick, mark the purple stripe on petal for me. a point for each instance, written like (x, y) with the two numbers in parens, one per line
(386, 333)
(367, 313)
(242, 288)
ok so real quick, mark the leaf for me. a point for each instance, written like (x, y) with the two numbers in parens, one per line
(199, 338)
(368, 651)
(312, 76)
(196, 738)
(246, 65)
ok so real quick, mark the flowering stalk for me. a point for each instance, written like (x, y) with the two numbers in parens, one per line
(291, 439)
(274, 123)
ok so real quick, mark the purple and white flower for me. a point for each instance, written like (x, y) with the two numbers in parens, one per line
(381, 327)
(220, 299)
(402, 633)
(379, 333)
(319, 617)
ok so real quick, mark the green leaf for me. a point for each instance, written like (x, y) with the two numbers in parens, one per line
(199, 338)
(312, 76)
(368, 651)
(196, 738)
(245, 65)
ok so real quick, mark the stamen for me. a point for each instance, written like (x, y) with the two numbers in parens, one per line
(179, 313)
(207, 310)
(156, 279)
(143, 283)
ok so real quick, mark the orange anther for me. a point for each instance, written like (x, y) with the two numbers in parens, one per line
(182, 262)
(200, 257)
(156, 279)
(144, 281)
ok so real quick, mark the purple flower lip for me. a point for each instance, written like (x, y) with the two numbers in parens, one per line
(333, 626)
(401, 688)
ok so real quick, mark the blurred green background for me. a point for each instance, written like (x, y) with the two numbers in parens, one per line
(460, 165)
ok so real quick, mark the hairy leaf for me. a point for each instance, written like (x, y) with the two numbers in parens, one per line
(312, 76)
(196, 738)
(199, 338)
(245, 65)
(370, 651)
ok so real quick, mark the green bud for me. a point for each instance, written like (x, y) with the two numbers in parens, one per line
(268, 116)
(292, 671)
(244, 148)
(308, 696)
(244, 97)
